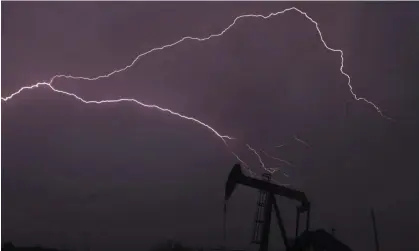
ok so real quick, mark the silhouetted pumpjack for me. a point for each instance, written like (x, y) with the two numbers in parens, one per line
(319, 240)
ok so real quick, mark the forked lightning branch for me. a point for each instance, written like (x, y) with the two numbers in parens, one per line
(224, 138)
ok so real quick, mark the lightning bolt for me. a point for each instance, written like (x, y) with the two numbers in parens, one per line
(246, 166)
(257, 154)
(222, 137)
(275, 158)
(153, 106)
(301, 141)
(278, 169)
(218, 35)
(271, 170)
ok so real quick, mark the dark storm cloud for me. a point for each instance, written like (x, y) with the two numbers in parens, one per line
(120, 174)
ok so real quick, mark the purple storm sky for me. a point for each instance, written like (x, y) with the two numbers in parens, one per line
(120, 175)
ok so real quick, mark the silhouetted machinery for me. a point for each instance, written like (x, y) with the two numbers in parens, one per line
(318, 240)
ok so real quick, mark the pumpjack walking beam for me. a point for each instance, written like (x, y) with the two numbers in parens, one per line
(237, 177)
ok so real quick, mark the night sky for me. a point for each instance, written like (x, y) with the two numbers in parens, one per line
(104, 176)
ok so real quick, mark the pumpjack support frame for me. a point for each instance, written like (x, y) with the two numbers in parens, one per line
(236, 176)
(318, 239)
